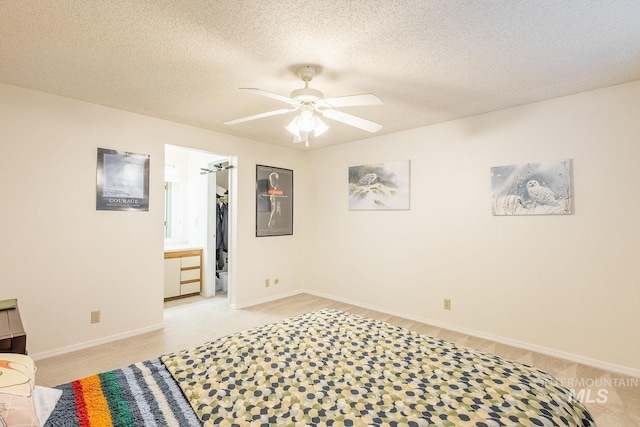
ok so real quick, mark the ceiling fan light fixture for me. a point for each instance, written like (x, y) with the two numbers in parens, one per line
(319, 127)
(293, 127)
(300, 134)
(305, 121)
(301, 137)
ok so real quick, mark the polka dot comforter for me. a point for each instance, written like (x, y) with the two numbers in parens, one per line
(332, 368)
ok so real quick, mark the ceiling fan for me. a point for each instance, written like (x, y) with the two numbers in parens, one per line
(310, 101)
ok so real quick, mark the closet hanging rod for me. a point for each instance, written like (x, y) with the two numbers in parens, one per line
(216, 169)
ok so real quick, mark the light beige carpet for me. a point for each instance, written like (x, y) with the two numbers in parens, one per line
(612, 399)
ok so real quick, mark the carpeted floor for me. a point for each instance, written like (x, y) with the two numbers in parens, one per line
(612, 399)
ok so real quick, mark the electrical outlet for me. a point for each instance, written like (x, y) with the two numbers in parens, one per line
(266, 283)
(447, 304)
(95, 316)
(276, 281)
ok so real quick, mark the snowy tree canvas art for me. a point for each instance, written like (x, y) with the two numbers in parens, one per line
(382, 186)
(533, 188)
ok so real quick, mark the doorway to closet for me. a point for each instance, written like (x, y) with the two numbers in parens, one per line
(197, 216)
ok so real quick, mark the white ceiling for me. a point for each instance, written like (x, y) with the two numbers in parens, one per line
(430, 61)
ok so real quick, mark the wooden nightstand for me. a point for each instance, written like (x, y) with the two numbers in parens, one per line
(13, 338)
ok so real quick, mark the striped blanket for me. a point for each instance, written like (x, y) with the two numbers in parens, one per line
(142, 394)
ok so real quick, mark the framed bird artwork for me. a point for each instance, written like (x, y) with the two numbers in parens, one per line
(543, 188)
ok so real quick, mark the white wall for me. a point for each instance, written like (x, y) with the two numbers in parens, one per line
(62, 259)
(564, 283)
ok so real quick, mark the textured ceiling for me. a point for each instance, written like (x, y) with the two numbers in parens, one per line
(430, 61)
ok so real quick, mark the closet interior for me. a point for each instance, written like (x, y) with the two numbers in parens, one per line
(222, 229)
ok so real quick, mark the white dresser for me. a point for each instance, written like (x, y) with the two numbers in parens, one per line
(182, 273)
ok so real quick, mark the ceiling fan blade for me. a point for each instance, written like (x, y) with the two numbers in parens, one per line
(352, 100)
(350, 120)
(270, 95)
(261, 115)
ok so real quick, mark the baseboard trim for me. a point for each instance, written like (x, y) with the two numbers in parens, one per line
(267, 299)
(502, 340)
(87, 344)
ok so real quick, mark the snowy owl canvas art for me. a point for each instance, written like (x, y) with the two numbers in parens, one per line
(541, 195)
(383, 186)
(532, 189)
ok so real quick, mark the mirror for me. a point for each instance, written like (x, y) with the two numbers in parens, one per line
(174, 208)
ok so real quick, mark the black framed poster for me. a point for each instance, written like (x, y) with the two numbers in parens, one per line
(122, 181)
(274, 201)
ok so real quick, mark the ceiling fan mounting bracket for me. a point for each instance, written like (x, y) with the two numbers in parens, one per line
(307, 73)
(306, 95)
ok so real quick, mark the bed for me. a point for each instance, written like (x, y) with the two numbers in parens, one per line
(326, 367)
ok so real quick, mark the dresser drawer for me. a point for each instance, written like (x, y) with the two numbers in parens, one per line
(190, 261)
(190, 288)
(189, 275)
